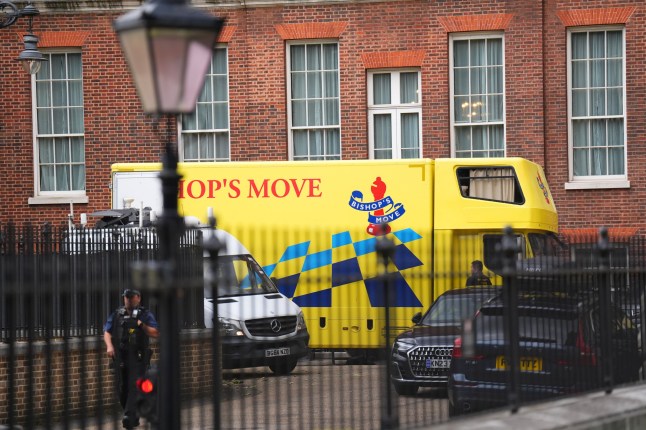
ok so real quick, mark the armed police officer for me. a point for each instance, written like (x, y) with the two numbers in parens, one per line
(126, 335)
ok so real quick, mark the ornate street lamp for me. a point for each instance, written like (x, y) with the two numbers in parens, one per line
(30, 58)
(169, 46)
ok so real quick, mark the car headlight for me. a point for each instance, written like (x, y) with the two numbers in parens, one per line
(402, 347)
(230, 327)
(300, 322)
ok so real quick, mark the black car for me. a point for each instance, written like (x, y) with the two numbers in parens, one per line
(559, 351)
(422, 354)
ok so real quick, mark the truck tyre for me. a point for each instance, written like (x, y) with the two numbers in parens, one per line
(283, 367)
(406, 390)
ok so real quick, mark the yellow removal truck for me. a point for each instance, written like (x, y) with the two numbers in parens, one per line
(314, 227)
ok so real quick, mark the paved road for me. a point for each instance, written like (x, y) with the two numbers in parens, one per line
(318, 395)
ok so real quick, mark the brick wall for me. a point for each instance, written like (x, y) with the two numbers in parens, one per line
(535, 78)
(77, 370)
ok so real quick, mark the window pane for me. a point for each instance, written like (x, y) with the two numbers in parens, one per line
(316, 143)
(313, 57)
(579, 74)
(298, 86)
(221, 112)
(43, 98)
(383, 131)
(300, 143)
(61, 150)
(580, 134)
(314, 112)
(189, 122)
(616, 161)
(478, 80)
(615, 101)
(494, 80)
(598, 73)
(207, 150)
(494, 105)
(581, 167)
(205, 117)
(63, 178)
(615, 73)
(478, 108)
(615, 132)
(410, 131)
(462, 109)
(78, 177)
(190, 146)
(331, 84)
(219, 62)
(46, 150)
(461, 82)
(461, 53)
(74, 66)
(58, 66)
(497, 139)
(579, 46)
(477, 53)
(59, 93)
(599, 162)
(332, 143)
(381, 88)
(220, 89)
(297, 57)
(299, 114)
(478, 138)
(615, 41)
(330, 55)
(222, 146)
(76, 93)
(76, 120)
(207, 91)
(580, 103)
(494, 52)
(47, 178)
(597, 102)
(60, 121)
(597, 44)
(408, 87)
(463, 138)
(331, 112)
(44, 121)
(314, 84)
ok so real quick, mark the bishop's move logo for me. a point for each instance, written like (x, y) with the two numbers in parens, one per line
(381, 210)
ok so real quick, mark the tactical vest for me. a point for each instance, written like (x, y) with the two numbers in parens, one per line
(131, 337)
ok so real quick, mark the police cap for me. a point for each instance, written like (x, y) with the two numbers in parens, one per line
(130, 292)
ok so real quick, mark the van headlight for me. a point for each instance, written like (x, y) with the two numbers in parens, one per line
(300, 322)
(230, 327)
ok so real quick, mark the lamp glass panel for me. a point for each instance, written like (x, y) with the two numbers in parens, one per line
(135, 47)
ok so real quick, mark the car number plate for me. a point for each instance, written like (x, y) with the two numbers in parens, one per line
(433, 363)
(276, 352)
(527, 364)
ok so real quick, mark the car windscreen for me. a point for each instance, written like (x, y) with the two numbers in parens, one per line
(543, 326)
(238, 275)
(454, 309)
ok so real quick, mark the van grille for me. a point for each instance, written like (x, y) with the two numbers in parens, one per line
(271, 327)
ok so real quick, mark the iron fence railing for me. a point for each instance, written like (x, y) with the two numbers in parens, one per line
(552, 324)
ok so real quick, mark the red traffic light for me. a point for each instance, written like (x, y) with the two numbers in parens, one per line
(145, 385)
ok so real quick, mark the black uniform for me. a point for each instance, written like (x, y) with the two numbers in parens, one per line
(132, 356)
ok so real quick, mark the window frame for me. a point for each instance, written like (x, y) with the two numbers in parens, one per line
(453, 37)
(395, 109)
(595, 181)
(56, 197)
(288, 82)
(214, 131)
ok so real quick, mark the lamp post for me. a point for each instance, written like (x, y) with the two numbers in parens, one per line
(30, 58)
(168, 46)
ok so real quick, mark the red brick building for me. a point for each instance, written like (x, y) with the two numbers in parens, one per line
(558, 82)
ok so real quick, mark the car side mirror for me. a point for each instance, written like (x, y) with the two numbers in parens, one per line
(417, 318)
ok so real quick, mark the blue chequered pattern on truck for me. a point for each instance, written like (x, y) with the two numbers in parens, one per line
(346, 269)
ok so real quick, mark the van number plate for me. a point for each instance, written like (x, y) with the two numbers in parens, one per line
(276, 352)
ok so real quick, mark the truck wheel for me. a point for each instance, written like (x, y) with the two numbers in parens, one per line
(406, 390)
(283, 367)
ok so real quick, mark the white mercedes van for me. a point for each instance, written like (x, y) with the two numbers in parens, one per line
(258, 325)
